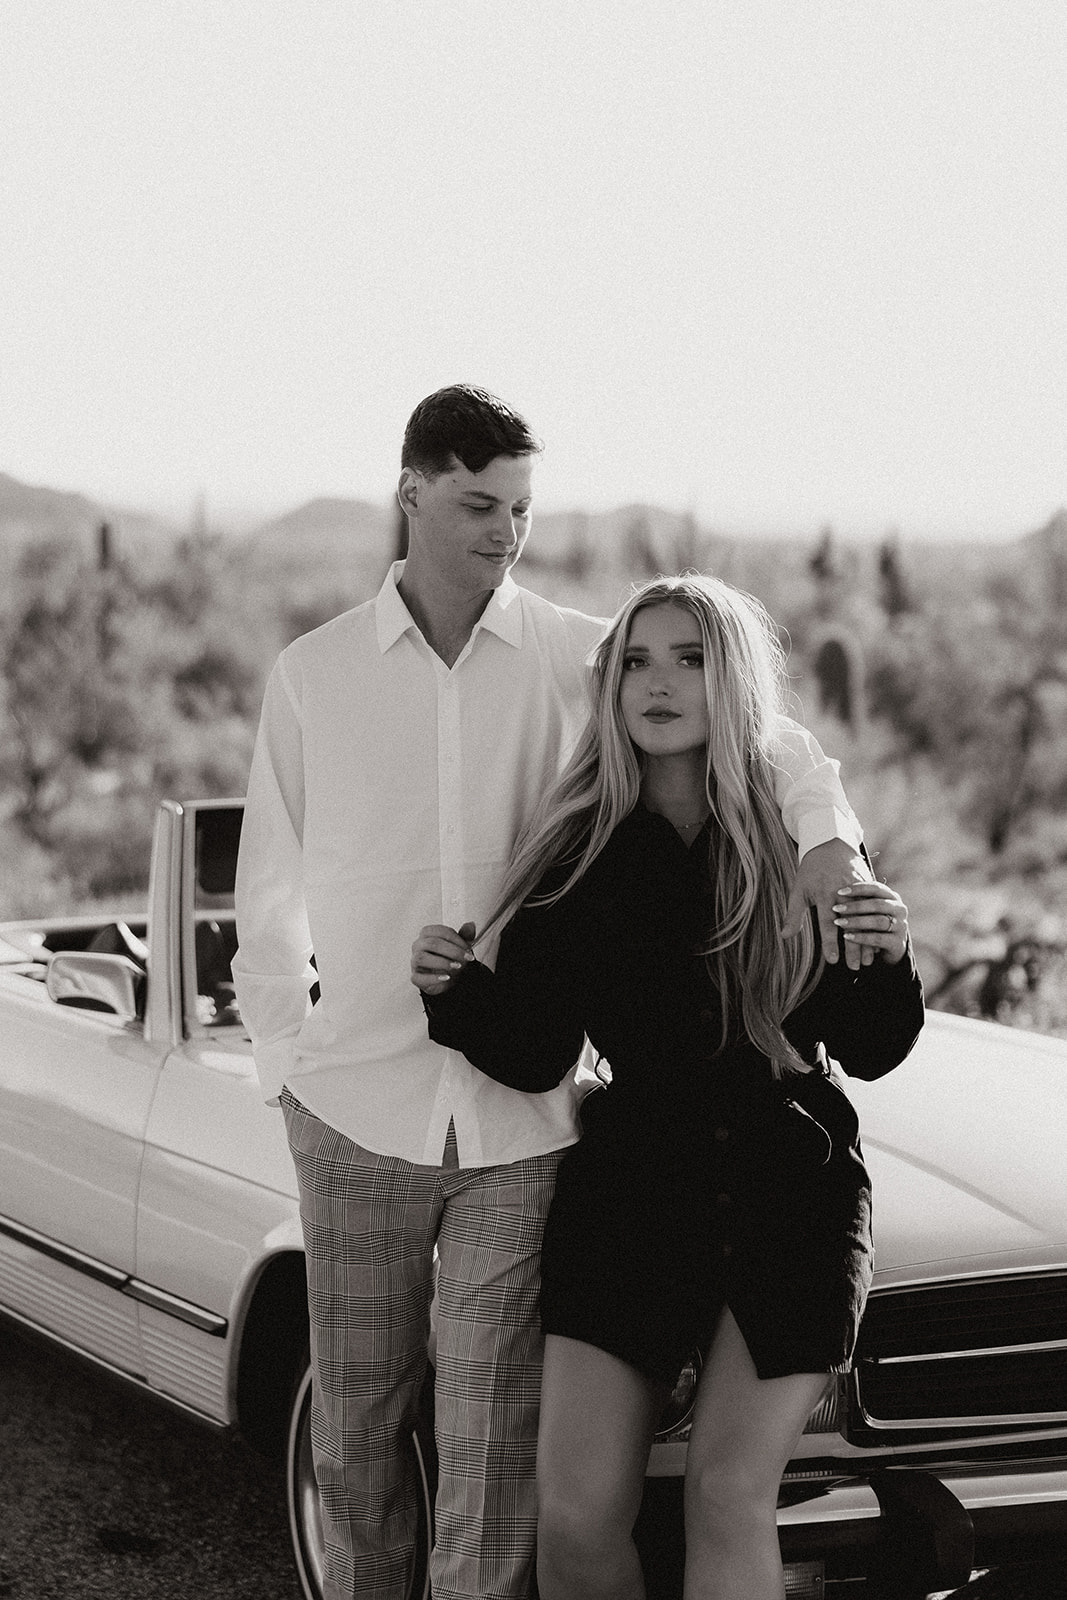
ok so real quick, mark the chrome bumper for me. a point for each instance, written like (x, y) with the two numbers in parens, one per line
(1019, 1491)
(1010, 1496)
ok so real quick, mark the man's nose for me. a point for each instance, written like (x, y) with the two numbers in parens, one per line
(504, 533)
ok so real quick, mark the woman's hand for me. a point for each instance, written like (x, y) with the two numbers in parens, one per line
(874, 917)
(439, 954)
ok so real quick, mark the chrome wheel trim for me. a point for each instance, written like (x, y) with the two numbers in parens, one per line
(305, 1515)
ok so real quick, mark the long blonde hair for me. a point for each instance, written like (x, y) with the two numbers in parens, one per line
(752, 860)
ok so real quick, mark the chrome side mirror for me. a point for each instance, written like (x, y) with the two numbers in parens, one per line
(95, 981)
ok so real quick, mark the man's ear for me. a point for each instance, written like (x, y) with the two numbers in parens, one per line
(407, 491)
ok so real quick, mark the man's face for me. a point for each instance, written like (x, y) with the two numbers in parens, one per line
(469, 527)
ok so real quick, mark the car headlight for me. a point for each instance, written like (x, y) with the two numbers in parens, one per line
(826, 1417)
(678, 1412)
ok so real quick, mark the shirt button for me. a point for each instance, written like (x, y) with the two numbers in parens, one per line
(724, 1199)
(722, 1134)
(727, 1249)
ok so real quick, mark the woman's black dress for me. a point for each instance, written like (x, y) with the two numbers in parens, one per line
(696, 1184)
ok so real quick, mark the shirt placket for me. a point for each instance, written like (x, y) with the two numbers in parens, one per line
(450, 800)
(450, 817)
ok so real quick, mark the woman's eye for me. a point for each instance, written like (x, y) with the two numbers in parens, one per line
(693, 658)
(631, 662)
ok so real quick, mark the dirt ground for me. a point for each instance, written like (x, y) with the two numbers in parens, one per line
(107, 1495)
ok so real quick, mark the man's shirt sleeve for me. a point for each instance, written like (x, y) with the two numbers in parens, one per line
(808, 788)
(272, 970)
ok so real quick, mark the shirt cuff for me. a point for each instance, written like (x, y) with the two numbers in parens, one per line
(819, 826)
(274, 1063)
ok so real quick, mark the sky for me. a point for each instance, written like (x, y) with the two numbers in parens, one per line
(777, 264)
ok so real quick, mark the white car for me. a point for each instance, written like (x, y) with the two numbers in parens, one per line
(148, 1219)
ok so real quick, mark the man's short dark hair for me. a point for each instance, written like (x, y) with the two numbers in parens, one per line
(466, 424)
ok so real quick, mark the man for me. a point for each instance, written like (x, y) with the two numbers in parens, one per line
(401, 747)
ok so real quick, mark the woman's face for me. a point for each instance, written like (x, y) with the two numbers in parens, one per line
(662, 697)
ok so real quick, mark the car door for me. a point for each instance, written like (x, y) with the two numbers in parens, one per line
(76, 1087)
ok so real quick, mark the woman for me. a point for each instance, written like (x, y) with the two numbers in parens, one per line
(718, 1197)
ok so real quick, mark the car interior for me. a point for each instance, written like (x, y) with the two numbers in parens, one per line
(27, 949)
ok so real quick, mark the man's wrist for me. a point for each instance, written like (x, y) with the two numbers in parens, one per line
(824, 823)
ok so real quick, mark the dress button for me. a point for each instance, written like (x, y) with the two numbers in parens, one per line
(724, 1199)
(722, 1134)
(727, 1249)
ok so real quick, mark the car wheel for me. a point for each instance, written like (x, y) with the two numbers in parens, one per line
(305, 1517)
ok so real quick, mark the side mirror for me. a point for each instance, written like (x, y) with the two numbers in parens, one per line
(95, 982)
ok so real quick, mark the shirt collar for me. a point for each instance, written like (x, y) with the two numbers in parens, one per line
(502, 616)
(391, 615)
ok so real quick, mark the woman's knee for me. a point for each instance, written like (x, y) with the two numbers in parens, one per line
(575, 1528)
(725, 1496)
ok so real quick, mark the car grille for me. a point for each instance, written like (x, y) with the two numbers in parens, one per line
(974, 1353)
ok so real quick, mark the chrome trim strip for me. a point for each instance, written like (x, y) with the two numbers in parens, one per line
(134, 1379)
(146, 1294)
(967, 1355)
(979, 1275)
(849, 1500)
(64, 1254)
(1015, 1486)
(990, 1419)
(123, 1282)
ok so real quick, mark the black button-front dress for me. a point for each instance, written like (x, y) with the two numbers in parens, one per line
(698, 1181)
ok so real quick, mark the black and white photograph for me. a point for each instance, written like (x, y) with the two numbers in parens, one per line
(533, 800)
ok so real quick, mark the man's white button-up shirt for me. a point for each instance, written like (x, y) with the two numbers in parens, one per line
(385, 793)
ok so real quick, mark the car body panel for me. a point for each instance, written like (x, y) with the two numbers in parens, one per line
(79, 1310)
(965, 1142)
(76, 1090)
(218, 1200)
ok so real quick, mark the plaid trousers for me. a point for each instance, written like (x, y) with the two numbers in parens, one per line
(370, 1225)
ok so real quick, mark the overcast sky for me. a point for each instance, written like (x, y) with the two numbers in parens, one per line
(778, 263)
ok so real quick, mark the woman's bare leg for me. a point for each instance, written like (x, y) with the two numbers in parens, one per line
(598, 1416)
(744, 1431)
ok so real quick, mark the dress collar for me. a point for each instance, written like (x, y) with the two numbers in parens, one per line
(657, 822)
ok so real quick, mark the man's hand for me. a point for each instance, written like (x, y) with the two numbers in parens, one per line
(822, 874)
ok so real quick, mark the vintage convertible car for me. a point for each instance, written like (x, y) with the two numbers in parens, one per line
(148, 1220)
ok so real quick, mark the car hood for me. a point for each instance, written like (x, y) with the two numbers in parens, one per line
(965, 1144)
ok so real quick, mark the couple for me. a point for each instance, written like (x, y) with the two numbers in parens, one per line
(403, 751)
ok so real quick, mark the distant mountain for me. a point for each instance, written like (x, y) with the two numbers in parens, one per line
(327, 555)
(340, 531)
(30, 513)
(649, 534)
(1051, 540)
(349, 542)
(335, 532)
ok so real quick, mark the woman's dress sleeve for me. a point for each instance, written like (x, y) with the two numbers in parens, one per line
(522, 1023)
(867, 1020)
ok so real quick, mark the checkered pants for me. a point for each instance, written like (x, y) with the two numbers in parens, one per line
(370, 1225)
